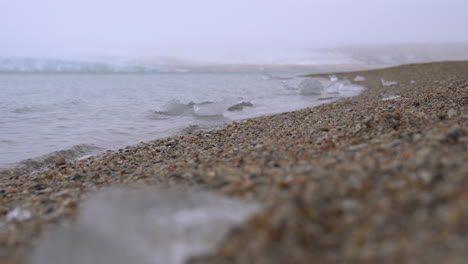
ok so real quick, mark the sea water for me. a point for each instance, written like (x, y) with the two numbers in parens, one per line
(71, 115)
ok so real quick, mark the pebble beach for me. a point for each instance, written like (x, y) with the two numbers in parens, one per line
(381, 177)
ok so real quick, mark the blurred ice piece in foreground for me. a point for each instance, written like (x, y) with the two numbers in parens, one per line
(388, 83)
(412, 82)
(359, 78)
(18, 215)
(122, 226)
(311, 86)
(333, 78)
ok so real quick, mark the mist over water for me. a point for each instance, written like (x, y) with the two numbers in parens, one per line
(242, 31)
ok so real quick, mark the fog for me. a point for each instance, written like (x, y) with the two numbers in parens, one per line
(220, 30)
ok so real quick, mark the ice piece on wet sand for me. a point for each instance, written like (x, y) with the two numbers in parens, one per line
(311, 86)
(144, 226)
(388, 83)
(18, 215)
(390, 97)
(412, 82)
(359, 78)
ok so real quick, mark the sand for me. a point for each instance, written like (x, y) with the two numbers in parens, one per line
(380, 177)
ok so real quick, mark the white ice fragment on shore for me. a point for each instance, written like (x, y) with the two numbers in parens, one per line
(18, 215)
(359, 78)
(412, 82)
(333, 78)
(311, 86)
(334, 88)
(84, 157)
(388, 83)
(148, 226)
(390, 97)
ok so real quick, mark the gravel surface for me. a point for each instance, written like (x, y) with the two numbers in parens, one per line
(380, 177)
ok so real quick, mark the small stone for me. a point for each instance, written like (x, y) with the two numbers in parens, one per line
(60, 161)
(76, 177)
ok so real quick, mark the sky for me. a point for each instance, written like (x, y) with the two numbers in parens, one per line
(220, 29)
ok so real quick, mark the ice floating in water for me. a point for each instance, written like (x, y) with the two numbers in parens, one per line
(18, 215)
(144, 226)
(359, 78)
(334, 87)
(240, 106)
(311, 86)
(213, 109)
(333, 78)
(390, 97)
(266, 77)
(388, 83)
(175, 107)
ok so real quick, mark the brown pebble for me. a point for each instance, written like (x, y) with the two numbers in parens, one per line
(60, 161)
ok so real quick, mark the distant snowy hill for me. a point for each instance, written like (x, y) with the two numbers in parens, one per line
(58, 65)
(343, 58)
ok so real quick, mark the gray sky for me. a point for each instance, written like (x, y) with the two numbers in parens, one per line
(216, 28)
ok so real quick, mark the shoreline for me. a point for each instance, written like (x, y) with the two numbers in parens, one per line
(77, 150)
(356, 180)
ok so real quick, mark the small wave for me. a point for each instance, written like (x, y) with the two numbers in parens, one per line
(6, 141)
(49, 159)
(190, 129)
(26, 109)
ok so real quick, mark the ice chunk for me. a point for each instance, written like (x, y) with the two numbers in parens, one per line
(212, 109)
(390, 97)
(412, 82)
(84, 157)
(334, 88)
(266, 76)
(240, 106)
(333, 78)
(18, 215)
(311, 86)
(122, 226)
(359, 78)
(388, 83)
(175, 107)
